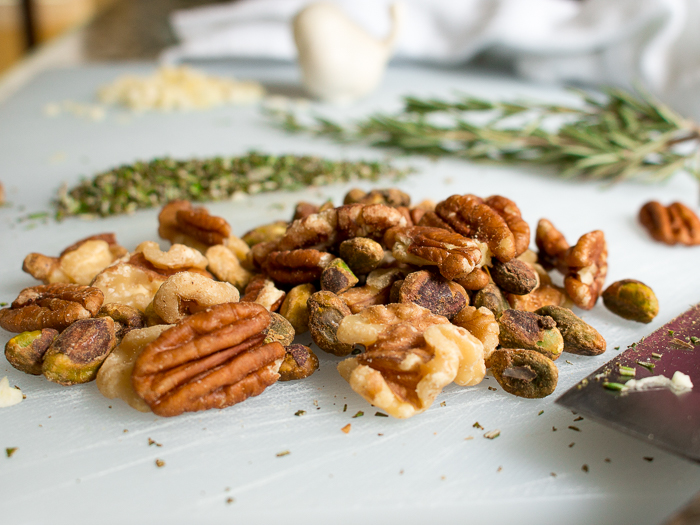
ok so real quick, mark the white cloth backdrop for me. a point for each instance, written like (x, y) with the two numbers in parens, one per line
(593, 41)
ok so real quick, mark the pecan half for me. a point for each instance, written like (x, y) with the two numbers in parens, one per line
(455, 255)
(50, 306)
(212, 359)
(390, 196)
(296, 266)
(551, 244)
(671, 224)
(262, 291)
(180, 223)
(367, 220)
(587, 264)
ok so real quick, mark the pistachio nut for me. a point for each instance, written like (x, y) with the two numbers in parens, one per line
(326, 310)
(490, 296)
(631, 300)
(265, 233)
(299, 362)
(514, 276)
(279, 330)
(579, 337)
(362, 254)
(295, 308)
(337, 277)
(530, 331)
(26, 351)
(524, 373)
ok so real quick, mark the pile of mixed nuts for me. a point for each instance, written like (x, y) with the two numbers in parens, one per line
(417, 296)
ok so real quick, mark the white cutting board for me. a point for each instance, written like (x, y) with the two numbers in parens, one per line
(84, 459)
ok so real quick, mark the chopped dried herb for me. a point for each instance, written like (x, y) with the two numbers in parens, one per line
(477, 425)
(579, 418)
(345, 408)
(160, 463)
(380, 414)
(540, 412)
(360, 413)
(584, 468)
(283, 453)
(648, 458)
(572, 427)
(613, 386)
(655, 355)
(346, 428)
(671, 332)
(649, 366)
(10, 450)
(300, 413)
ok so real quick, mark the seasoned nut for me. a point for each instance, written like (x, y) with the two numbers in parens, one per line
(490, 297)
(631, 300)
(367, 220)
(126, 318)
(377, 289)
(114, 376)
(295, 309)
(390, 196)
(326, 311)
(530, 331)
(476, 280)
(587, 264)
(130, 284)
(259, 254)
(551, 245)
(296, 266)
(361, 254)
(265, 233)
(437, 294)
(26, 351)
(186, 293)
(77, 353)
(337, 277)
(543, 295)
(481, 323)
(212, 359)
(671, 224)
(579, 337)
(514, 276)
(117, 250)
(262, 291)
(50, 306)
(304, 209)
(299, 362)
(224, 264)
(280, 330)
(178, 257)
(411, 356)
(45, 269)
(180, 223)
(524, 373)
(238, 247)
(510, 212)
(454, 255)
(318, 231)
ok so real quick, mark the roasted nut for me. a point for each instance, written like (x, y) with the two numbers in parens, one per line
(551, 245)
(238, 247)
(44, 268)
(212, 359)
(490, 297)
(117, 250)
(631, 300)
(296, 266)
(454, 255)
(587, 264)
(377, 289)
(411, 356)
(152, 318)
(390, 196)
(671, 224)
(26, 351)
(367, 220)
(224, 264)
(304, 209)
(178, 257)
(337, 277)
(126, 318)
(180, 223)
(299, 362)
(265, 233)
(579, 337)
(437, 294)
(543, 295)
(262, 291)
(326, 311)
(295, 309)
(476, 280)
(77, 353)
(186, 293)
(280, 330)
(361, 254)
(130, 284)
(524, 373)
(259, 254)
(318, 231)
(481, 323)
(514, 276)
(50, 306)
(114, 376)
(530, 331)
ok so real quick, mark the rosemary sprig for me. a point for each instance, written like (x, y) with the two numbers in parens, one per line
(147, 184)
(617, 136)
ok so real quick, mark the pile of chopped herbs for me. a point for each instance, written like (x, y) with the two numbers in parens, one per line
(149, 184)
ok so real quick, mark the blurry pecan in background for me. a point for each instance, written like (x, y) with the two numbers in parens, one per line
(671, 224)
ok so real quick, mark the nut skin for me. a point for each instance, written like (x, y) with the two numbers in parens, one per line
(295, 308)
(491, 297)
(632, 300)
(299, 363)
(279, 330)
(671, 224)
(265, 233)
(579, 337)
(126, 318)
(337, 277)
(433, 292)
(514, 276)
(524, 373)
(361, 254)
(50, 306)
(326, 311)
(26, 351)
(529, 331)
(76, 355)
(212, 359)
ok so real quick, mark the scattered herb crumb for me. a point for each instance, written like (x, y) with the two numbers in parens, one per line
(152, 442)
(126, 430)
(300, 413)
(553, 474)
(401, 472)
(613, 386)
(554, 429)
(345, 408)
(380, 434)
(572, 427)
(608, 460)
(443, 404)
(680, 342)
(585, 468)
(492, 434)
(346, 428)
(160, 463)
(571, 445)
(671, 333)
(569, 362)
(360, 413)
(477, 425)
(381, 414)
(492, 388)
(540, 412)
(648, 458)
(617, 348)
(3, 303)
(10, 451)
(579, 418)
(499, 469)
(468, 438)
(283, 453)
(230, 500)
(693, 339)
(655, 355)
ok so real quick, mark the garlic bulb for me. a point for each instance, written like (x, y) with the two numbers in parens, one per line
(340, 61)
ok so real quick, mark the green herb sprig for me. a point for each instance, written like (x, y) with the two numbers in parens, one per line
(148, 184)
(616, 136)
